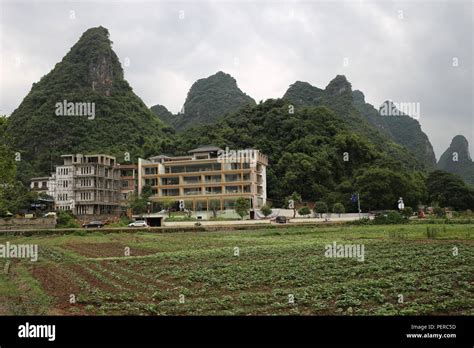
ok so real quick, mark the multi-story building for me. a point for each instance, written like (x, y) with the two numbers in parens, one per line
(208, 175)
(128, 181)
(40, 184)
(86, 184)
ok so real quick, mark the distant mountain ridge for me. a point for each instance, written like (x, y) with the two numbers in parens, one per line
(403, 129)
(351, 105)
(208, 99)
(457, 159)
(339, 97)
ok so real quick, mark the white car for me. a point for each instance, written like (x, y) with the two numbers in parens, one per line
(141, 223)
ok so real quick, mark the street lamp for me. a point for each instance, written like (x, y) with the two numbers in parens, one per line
(148, 206)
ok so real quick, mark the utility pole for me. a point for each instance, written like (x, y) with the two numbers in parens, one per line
(358, 203)
(353, 198)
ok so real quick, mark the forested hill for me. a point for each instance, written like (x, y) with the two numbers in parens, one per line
(207, 100)
(403, 129)
(338, 96)
(314, 152)
(457, 159)
(89, 73)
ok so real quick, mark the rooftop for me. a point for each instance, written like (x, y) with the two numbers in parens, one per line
(205, 148)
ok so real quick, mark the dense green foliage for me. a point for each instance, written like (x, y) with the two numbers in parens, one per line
(448, 190)
(89, 73)
(338, 97)
(208, 99)
(407, 212)
(65, 219)
(456, 159)
(380, 188)
(390, 218)
(163, 114)
(14, 196)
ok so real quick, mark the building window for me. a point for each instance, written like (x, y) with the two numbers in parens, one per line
(170, 181)
(192, 191)
(213, 190)
(232, 189)
(212, 179)
(151, 182)
(191, 180)
(232, 177)
(151, 170)
(170, 192)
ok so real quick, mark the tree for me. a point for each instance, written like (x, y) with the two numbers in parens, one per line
(304, 211)
(167, 204)
(338, 208)
(292, 200)
(14, 196)
(147, 192)
(320, 208)
(266, 210)
(242, 206)
(380, 188)
(449, 190)
(214, 206)
(137, 204)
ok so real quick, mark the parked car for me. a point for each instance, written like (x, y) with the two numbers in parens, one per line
(50, 214)
(94, 224)
(140, 223)
(281, 220)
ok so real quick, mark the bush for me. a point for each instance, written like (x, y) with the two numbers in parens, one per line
(65, 219)
(123, 222)
(304, 211)
(439, 212)
(180, 218)
(362, 221)
(390, 218)
(338, 208)
(407, 212)
(266, 210)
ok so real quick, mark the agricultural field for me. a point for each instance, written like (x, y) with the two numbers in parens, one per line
(407, 270)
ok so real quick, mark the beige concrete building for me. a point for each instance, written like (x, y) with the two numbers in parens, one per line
(207, 176)
(85, 184)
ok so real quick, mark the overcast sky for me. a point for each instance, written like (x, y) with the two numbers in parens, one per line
(403, 51)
